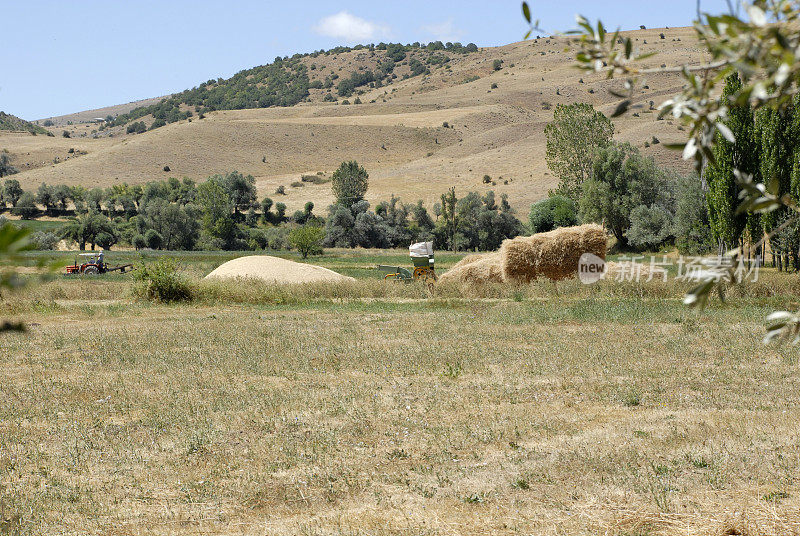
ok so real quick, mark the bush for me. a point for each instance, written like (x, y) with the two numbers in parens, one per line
(307, 240)
(138, 241)
(650, 226)
(692, 228)
(66, 134)
(497, 65)
(44, 240)
(160, 281)
(553, 212)
(153, 239)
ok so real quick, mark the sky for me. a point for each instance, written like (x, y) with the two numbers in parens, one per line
(60, 56)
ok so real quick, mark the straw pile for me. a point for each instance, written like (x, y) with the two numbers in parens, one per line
(486, 268)
(274, 270)
(554, 254)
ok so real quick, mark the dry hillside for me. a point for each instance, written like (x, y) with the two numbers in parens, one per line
(399, 137)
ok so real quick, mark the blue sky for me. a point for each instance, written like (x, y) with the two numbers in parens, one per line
(63, 56)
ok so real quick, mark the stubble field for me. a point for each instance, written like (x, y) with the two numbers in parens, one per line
(376, 408)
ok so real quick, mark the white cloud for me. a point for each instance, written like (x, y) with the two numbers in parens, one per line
(443, 31)
(345, 26)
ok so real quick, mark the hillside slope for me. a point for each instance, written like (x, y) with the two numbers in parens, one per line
(398, 132)
(12, 123)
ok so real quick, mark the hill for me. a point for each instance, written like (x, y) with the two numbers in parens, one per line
(450, 125)
(13, 123)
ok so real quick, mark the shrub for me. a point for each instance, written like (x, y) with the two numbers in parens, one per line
(692, 228)
(66, 134)
(138, 241)
(553, 212)
(44, 240)
(650, 226)
(153, 239)
(314, 179)
(280, 190)
(307, 240)
(497, 65)
(160, 281)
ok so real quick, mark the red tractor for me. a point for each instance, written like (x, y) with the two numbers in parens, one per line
(93, 263)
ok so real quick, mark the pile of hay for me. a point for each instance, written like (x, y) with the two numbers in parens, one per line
(275, 270)
(486, 268)
(553, 255)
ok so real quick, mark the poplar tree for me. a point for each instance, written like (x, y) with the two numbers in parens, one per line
(723, 192)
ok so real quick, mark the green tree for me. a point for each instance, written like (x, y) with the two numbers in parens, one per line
(45, 196)
(12, 191)
(349, 183)
(241, 189)
(307, 239)
(62, 194)
(25, 207)
(576, 133)
(737, 153)
(622, 179)
(177, 226)
(218, 222)
(450, 216)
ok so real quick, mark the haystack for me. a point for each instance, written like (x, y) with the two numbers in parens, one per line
(275, 270)
(486, 268)
(554, 254)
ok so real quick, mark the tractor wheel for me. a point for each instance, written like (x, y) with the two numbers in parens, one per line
(91, 270)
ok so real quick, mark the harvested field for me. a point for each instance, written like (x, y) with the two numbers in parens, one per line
(275, 270)
(363, 407)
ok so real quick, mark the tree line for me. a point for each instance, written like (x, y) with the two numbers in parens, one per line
(224, 213)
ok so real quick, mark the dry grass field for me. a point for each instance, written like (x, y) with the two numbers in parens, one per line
(376, 408)
(400, 137)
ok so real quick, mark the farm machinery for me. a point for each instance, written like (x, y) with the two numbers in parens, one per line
(421, 257)
(94, 263)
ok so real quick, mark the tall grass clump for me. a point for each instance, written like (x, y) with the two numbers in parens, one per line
(162, 281)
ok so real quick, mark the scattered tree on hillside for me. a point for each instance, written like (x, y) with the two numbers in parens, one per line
(5, 166)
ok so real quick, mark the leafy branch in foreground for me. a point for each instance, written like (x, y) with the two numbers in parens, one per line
(763, 51)
(13, 241)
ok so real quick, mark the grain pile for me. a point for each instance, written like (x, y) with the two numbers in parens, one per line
(486, 268)
(553, 255)
(275, 270)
